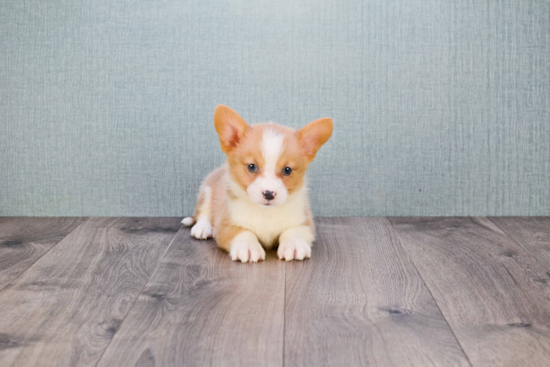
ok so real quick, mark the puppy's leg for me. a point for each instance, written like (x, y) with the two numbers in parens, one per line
(242, 244)
(203, 227)
(245, 246)
(295, 243)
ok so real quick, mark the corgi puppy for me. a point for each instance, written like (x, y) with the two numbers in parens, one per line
(258, 199)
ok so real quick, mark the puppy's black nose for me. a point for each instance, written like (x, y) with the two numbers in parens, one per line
(268, 195)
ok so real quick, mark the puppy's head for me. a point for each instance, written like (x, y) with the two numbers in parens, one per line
(268, 161)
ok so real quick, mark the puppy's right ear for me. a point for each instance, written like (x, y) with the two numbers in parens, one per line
(230, 127)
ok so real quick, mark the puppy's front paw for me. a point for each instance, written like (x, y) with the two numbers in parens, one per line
(202, 230)
(294, 249)
(245, 250)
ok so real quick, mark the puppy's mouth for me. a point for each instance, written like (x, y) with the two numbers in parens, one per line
(268, 204)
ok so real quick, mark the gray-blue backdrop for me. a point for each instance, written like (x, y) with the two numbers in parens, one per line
(440, 107)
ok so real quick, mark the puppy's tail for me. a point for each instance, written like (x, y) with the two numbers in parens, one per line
(189, 221)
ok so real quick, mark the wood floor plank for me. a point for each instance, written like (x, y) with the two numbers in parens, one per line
(359, 301)
(24, 240)
(485, 286)
(533, 234)
(202, 309)
(65, 309)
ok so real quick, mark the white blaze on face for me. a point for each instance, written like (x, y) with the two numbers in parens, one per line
(272, 147)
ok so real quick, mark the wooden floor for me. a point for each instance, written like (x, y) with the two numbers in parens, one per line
(377, 291)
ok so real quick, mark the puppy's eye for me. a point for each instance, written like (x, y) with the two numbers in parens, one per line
(252, 167)
(287, 171)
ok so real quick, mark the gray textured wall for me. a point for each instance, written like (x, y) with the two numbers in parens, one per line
(440, 107)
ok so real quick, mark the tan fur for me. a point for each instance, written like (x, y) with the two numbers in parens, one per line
(223, 195)
(217, 181)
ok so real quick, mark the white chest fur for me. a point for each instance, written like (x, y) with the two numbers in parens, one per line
(268, 223)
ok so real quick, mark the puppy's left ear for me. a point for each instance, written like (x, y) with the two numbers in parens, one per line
(230, 126)
(314, 135)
